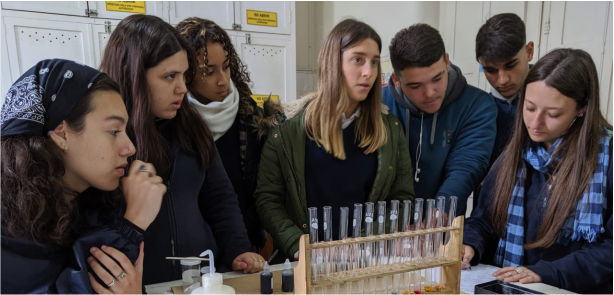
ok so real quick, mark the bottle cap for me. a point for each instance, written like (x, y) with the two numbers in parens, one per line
(287, 264)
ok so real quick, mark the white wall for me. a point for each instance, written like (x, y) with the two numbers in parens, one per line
(319, 18)
(387, 18)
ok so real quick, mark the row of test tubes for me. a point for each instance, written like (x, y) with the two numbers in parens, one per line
(346, 261)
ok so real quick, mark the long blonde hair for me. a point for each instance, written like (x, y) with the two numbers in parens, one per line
(323, 114)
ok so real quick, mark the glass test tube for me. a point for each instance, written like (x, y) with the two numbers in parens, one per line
(406, 255)
(327, 222)
(382, 246)
(313, 239)
(436, 272)
(370, 258)
(357, 263)
(451, 216)
(341, 252)
(394, 228)
(430, 209)
(416, 280)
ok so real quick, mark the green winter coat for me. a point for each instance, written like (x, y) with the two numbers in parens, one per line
(281, 201)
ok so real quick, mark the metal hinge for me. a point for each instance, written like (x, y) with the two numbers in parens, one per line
(248, 38)
(236, 27)
(107, 27)
(91, 12)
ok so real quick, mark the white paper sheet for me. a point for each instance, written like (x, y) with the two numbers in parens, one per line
(478, 274)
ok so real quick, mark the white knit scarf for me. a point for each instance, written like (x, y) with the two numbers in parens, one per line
(219, 115)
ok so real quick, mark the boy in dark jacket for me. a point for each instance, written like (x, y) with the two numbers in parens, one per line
(501, 49)
(450, 125)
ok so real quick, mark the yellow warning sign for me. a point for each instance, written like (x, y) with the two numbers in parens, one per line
(261, 18)
(260, 98)
(126, 6)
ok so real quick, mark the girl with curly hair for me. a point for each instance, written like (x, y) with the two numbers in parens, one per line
(219, 90)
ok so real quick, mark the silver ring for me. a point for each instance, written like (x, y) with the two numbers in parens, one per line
(121, 276)
(519, 270)
(112, 283)
(509, 273)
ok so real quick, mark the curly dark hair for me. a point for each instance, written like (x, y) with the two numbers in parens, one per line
(33, 194)
(198, 32)
(418, 46)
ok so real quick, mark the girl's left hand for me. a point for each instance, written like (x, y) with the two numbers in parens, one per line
(122, 278)
(517, 274)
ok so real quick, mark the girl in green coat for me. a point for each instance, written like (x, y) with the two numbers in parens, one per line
(336, 147)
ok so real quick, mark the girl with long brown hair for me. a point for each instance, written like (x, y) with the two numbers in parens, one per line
(336, 147)
(546, 206)
(151, 62)
(64, 151)
(219, 91)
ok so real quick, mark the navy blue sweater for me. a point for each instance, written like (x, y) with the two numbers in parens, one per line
(506, 114)
(578, 266)
(338, 183)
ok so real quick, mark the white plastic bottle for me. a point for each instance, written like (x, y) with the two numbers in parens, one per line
(213, 282)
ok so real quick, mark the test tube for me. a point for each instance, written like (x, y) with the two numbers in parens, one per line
(327, 216)
(406, 255)
(418, 226)
(416, 280)
(382, 246)
(341, 252)
(357, 262)
(451, 216)
(313, 239)
(430, 209)
(436, 272)
(370, 258)
(452, 212)
(394, 228)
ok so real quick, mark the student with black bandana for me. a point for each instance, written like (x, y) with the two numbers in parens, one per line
(64, 151)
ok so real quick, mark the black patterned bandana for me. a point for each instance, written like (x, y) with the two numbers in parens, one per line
(44, 96)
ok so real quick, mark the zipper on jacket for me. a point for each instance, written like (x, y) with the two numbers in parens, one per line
(171, 215)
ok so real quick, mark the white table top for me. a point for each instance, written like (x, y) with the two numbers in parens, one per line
(165, 288)
(469, 278)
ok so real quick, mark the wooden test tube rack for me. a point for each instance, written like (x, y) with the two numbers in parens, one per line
(450, 268)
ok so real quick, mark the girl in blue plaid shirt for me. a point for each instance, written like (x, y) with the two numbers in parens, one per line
(545, 210)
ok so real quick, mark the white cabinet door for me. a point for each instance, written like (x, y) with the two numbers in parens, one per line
(264, 16)
(105, 10)
(100, 37)
(32, 40)
(462, 22)
(221, 12)
(271, 63)
(582, 25)
(59, 7)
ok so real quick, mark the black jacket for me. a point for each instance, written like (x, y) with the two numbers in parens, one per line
(28, 267)
(252, 132)
(199, 212)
